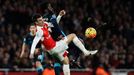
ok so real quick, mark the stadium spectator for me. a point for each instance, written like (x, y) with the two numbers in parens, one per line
(115, 38)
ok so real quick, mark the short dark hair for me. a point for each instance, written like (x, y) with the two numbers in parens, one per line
(35, 16)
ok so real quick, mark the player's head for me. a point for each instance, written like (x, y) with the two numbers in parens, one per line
(47, 7)
(32, 28)
(38, 19)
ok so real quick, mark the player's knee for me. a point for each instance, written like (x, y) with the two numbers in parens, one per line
(39, 69)
(73, 35)
(66, 60)
(38, 63)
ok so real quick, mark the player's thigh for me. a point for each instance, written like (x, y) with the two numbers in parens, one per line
(66, 60)
(60, 47)
(62, 56)
(70, 37)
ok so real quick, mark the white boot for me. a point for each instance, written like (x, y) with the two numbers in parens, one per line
(86, 53)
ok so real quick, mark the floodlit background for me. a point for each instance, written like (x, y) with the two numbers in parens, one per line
(113, 20)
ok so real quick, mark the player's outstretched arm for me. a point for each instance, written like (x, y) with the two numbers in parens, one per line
(61, 13)
(55, 21)
(36, 39)
(23, 50)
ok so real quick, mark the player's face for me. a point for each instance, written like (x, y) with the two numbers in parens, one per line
(33, 29)
(40, 21)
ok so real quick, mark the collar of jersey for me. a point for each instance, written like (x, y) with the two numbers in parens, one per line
(39, 27)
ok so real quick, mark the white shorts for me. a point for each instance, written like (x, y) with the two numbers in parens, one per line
(60, 49)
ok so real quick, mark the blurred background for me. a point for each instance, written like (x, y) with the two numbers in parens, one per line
(113, 20)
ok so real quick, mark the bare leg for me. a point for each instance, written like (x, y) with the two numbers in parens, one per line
(66, 69)
(78, 43)
(39, 67)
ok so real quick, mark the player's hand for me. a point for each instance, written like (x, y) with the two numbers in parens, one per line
(31, 56)
(62, 12)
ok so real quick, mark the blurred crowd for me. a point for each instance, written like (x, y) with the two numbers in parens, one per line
(113, 20)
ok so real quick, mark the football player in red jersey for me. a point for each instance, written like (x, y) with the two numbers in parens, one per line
(38, 54)
(55, 47)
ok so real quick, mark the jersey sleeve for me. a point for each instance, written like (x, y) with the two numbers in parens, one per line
(36, 40)
(58, 18)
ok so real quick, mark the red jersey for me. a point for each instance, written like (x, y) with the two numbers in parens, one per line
(48, 41)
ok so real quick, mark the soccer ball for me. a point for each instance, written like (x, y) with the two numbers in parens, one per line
(90, 32)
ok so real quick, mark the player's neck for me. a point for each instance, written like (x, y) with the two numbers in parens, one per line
(39, 25)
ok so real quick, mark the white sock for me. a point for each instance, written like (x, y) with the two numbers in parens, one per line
(79, 44)
(66, 69)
